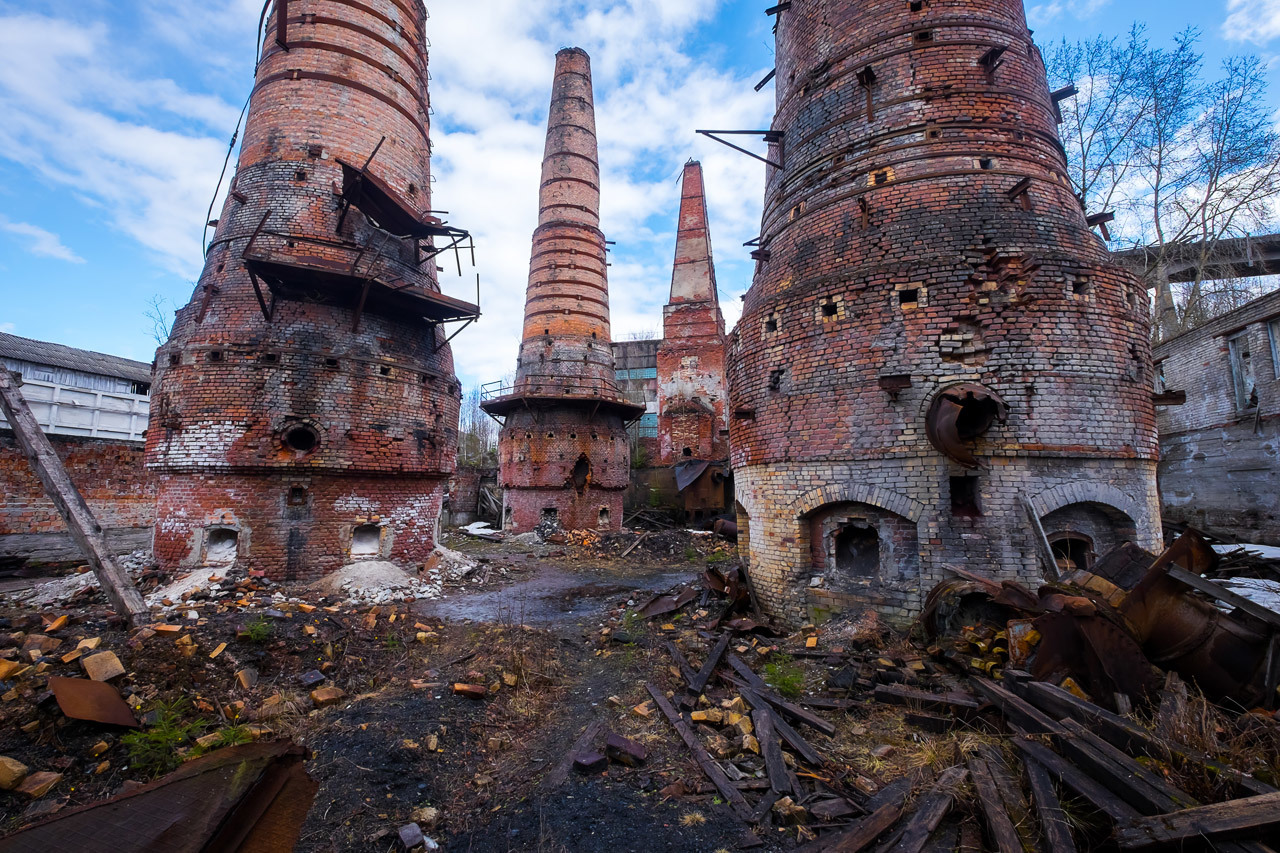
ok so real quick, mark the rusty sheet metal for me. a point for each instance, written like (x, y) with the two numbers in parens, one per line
(959, 415)
(242, 799)
(1225, 657)
(1099, 655)
(687, 473)
(660, 605)
(95, 701)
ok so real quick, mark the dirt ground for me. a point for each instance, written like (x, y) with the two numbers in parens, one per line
(553, 634)
(533, 636)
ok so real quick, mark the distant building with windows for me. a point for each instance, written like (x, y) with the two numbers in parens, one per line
(1220, 465)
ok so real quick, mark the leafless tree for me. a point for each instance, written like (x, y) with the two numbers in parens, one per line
(477, 432)
(160, 312)
(1185, 162)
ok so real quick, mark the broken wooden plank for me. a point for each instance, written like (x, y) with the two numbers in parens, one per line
(681, 662)
(80, 521)
(1010, 790)
(1129, 735)
(765, 806)
(1053, 821)
(896, 694)
(634, 545)
(745, 672)
(1077, 780)
(791, 710)
(712, 770)
(930, 810)
(1000, 828)
(1257, 816)
(1019, 711)
(1139, 787)
(789, 735)
(700, 680)
(865, 832)
(771, 749)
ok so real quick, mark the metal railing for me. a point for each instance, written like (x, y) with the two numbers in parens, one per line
(552, 386)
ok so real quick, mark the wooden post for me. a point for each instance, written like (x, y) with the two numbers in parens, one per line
(1043, 548)
(84, 528)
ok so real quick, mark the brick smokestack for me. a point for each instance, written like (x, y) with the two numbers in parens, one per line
(305, 409)
(933, 334)
(563, 445)
(692, 391)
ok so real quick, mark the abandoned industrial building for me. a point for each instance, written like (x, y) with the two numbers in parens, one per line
(961, 536)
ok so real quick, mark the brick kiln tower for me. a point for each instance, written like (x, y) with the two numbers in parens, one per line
(934, 335)
(563, 445)
(693, 420)
(305, 409)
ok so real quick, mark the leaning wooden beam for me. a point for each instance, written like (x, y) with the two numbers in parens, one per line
(1256, 816)
(1226, 596)
(699, 682)
(930, 810)
(1010, 788)
(1138, 786)
(1053, 821)
(712, 770)
(84, 528)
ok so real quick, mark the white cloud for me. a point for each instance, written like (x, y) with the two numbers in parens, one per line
(139, 149)
(1041, 14)
(652, 92)
(1257, 21)
(10, 328)
(40, 242)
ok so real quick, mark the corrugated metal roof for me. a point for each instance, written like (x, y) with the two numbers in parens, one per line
(57, 355)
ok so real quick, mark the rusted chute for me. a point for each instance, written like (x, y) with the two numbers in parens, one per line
(959, 415)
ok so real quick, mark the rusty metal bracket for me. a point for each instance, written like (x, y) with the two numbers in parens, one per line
(282, 24)
(773, 137)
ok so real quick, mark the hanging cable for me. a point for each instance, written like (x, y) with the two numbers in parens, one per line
(235, 136)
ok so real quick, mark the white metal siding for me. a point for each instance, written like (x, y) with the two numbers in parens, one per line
(65, 410)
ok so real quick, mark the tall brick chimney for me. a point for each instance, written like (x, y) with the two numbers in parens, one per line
(934, 336)
(563, 446)
(305, 409)
(693, 425)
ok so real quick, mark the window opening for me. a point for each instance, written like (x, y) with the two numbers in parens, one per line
(965, 501)
(1072, 552)
(604, 517)
(301, 438)
(1273, 333)
(297, 496)
(909, 298)
(1242, 379)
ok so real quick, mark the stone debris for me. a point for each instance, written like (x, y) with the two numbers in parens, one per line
(102, 666)
(12, 772)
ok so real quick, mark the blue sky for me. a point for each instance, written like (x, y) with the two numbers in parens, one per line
(117, 114)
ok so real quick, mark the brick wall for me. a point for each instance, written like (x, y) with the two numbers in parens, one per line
(109, 474)
(1218, 469)
(920, 233)
(247, 409)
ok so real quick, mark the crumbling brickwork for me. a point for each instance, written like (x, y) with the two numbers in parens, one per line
(563, 446)
(109, 474)
(307, 389)
(692, 391)
(933, 331)
(1217, 470)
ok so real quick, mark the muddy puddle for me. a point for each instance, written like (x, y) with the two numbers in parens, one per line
(552, 595)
